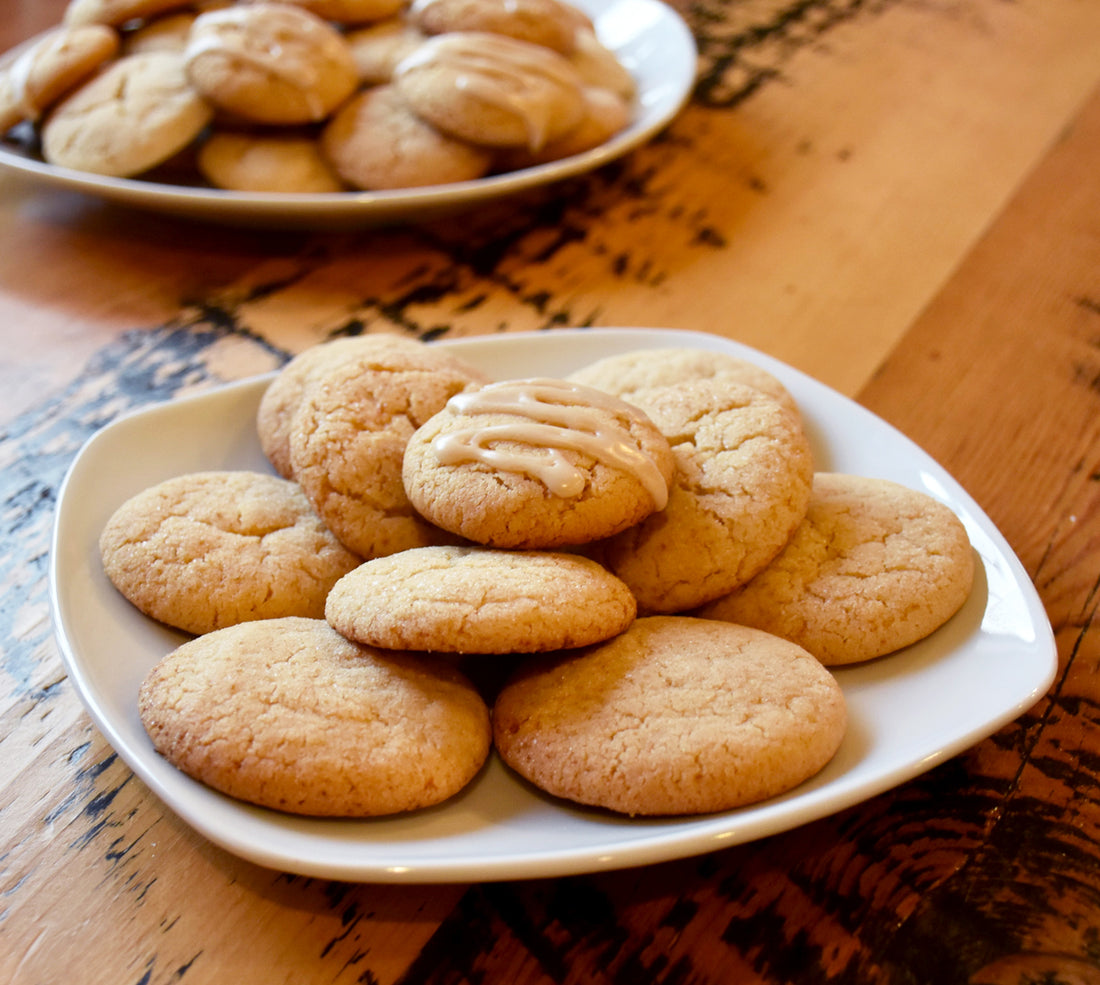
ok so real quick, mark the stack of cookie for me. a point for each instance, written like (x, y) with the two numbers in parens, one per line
(314, 96)
(643, 549)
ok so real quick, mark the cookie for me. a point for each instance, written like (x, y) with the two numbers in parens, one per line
(547, 23)
(378, 48)
(135, 114)
(630, 374)
(50, 67)
(375, 142)
(168, 32)
(605, 115)
(117, 12)
(674, 716)
(270, 63)
(211, 549)
(348, 434)
(743, 474)
(267, 162)
(280, 399)
(537, 463)
(492, 90)
(476, 600)
(289, 715)
(874, 567)
(347, 13)
(599, 66)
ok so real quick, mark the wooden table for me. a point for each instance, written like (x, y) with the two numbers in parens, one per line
(901, 199)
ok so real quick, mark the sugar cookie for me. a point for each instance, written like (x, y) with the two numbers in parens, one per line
(289, 715)
(674, 716)
(476, 600)
(874, 567)
(210, 549)
(537, 463)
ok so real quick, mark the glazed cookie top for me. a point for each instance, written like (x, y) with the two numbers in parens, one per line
(287, 714)
(477, 600)
(744, 470)
(874, 567)
(210, 549)
(132, 116)
(537, 463)
(270, 63)
(117, 12)
(674, 716)
(543, 22)
(491, 89)
(348, 434)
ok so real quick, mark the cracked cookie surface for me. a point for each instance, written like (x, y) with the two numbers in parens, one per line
(675, 716)
(874, 567)
(742, 484)
(288, 714)
(477, 600)
(209, 549)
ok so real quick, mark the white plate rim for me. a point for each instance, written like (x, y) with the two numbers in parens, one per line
(320, 848)
(661, 53)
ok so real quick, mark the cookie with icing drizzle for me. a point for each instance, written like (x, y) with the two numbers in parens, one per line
(537, 463)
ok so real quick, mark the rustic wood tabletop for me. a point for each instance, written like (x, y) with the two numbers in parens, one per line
(896, 197)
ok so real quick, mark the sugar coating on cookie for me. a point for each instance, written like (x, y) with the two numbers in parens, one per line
(874, 566)
(675, 716)
(631, 374)
(289, 715)
(270, 63)
(348, 434)
(374, 141)
(135, 114)
(491, 89)
(742, 485)
(280, 399)
(537, 463)
(210, 549)
(478, 600)
(548, 23)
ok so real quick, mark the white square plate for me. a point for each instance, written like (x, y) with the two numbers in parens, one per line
(908, 711)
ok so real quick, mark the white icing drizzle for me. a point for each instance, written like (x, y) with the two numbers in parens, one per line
(558, 416)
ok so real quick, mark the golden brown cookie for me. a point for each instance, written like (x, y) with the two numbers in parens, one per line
(211, 549)
(874, 567)
(631, 374)
(347, 13)
(548, 23)
(477, 600)
(270, 63)
(348, 435)
(742, 485)
(117, 12)
(492, 90)
(283, 162)
(605, 115)
(50, 67)
(378, 48)
(287, 714)
(599, 66)
(537, 463)
(674, 716)
(169, 32)
(280, 399)
(374, 141)
(137, 113)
